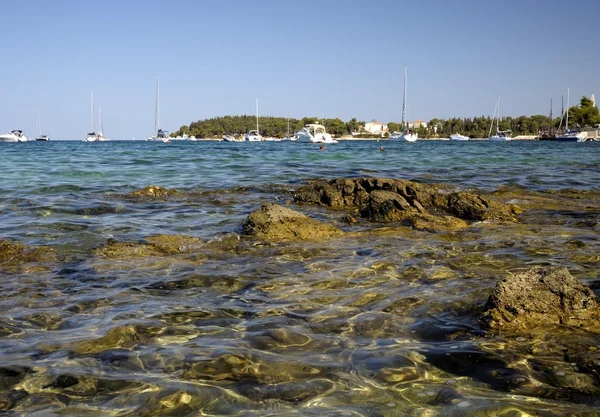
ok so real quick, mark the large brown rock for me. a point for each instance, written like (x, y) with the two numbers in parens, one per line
(388, 200)
(272, 221)
(541, 296)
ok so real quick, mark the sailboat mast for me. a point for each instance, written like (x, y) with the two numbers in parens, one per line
(567, 120)
(288, 129)
(498, 119)
(39, 122)
(156, 109)
(92, 115)
(550, 126)
(404, 101)
(257, 130)
(493, 118)
(100, 122)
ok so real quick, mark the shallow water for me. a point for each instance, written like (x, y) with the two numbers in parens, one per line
(381, 323)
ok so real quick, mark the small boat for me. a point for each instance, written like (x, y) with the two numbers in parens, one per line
(254, 135)
(458, 136)
(232, 138)
(159, 135)
(568, 135)
(93, 136)
(41, 137)
(501, 135)
(13, 136)
(314, 133)
(407, 135)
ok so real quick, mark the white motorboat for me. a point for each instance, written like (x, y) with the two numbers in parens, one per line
(458, 136)
(159, 135)
(407, 135)
(500, 135)
(314, 133)
(13, 136)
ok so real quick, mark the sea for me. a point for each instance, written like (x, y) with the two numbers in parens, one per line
(382, 322)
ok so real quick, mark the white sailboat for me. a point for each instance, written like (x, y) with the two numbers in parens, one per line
(93, 136)
(500, 135)
(39, 127)
(254, 135)
(101, 137)
(569, 136)
(406, 135)
(159, 135)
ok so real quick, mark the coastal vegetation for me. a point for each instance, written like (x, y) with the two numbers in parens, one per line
(586, 114)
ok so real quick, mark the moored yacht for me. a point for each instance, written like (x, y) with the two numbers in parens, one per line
(569, 135)
(501, 135)
(13, 136)
(160, 136)
(407, 135)
(314, 133)
(458, 136)
(253, 136)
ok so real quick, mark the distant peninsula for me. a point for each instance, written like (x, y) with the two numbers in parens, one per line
(584, 115)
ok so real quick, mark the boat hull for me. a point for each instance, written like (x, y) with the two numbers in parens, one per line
(404, 137)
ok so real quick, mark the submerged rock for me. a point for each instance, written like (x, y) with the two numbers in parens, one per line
(153, 246)
(18, 257)
(272, 221)
(389, 200)
(153, 191)
(538, 297)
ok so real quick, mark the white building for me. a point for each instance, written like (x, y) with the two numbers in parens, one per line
(376, 128)
(417, 124)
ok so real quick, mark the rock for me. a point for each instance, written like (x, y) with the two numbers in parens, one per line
(18, 257)
(272, 221)
(386, 206)
(389, 200)
(474, 207)
(154, 246)
(153, 191)
(541, 296)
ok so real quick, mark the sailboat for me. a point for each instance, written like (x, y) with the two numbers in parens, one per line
(254, 135)
(406, 135)
(500, 135)
(100, 136)
(549, 134)
(159, 135)
(39, 126)
(569, 136)
(91, 137)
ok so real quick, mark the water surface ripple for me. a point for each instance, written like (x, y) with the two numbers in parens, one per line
(376, 324)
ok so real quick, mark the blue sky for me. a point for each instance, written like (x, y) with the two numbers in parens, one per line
(309, 58)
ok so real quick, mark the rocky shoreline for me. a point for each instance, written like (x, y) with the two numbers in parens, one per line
(544, 322)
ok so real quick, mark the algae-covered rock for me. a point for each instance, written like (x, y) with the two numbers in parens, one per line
(153, 191)
(389, 200)
(541, 296)
(19, 257)
(153, 246)
(474, 207)
(272, 221)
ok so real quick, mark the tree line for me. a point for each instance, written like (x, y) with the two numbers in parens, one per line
(584, 115)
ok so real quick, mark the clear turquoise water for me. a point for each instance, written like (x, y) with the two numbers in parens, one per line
(349, 327)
